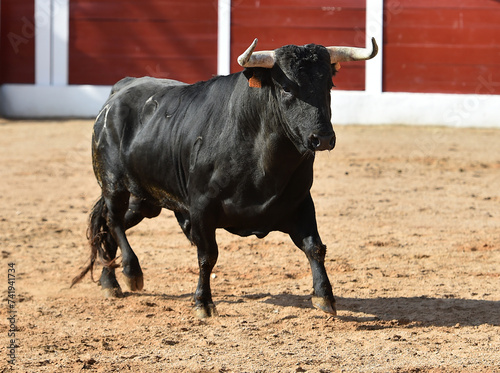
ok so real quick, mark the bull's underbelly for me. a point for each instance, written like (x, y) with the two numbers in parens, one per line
(260, 233)
(259, 218)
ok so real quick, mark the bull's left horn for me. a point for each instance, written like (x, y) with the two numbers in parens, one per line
(249, 58)
(344, 54)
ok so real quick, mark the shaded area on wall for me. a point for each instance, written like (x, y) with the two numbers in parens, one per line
(17, 41)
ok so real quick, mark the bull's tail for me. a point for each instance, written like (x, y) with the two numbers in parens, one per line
(99, 240)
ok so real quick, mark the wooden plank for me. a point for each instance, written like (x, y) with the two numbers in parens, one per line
(485, 36)
(441, 55)
(327, 4)
(442, 4)
(133, 38)
(272, 38)
(143, 10)
(108, 70)
(414, 77)
(455, 18)
(297, 17)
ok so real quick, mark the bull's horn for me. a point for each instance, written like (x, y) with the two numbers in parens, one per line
(257, 59)
(344, 54)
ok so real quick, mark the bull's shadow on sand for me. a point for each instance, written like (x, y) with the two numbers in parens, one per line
(424, 310)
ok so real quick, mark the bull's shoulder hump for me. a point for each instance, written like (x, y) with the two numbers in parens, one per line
(145, 83)
(170, 82)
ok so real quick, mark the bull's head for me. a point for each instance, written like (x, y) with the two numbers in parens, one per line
(301, 78)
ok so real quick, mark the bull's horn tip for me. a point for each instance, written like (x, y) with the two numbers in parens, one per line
(374, 48)
(254, 44)
(243, 59)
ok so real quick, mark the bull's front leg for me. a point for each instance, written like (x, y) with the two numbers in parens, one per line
(304, 233)
(208, 253)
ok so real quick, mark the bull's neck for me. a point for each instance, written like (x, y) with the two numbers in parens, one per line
(259, 118)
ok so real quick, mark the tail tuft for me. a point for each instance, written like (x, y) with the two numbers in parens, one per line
(98, 236)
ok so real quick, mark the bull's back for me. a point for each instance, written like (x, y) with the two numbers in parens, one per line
(145, 81)
(129, 136)
(128, 96)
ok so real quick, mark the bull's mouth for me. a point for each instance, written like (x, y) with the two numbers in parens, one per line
(321, 142)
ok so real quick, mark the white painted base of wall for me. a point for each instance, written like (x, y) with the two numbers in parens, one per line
(348, 107)
(33, 101)
(455, 110)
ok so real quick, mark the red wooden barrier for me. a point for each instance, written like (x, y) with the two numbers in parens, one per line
(112, 39)
(17, 41)
(280, 22)
(445, 46)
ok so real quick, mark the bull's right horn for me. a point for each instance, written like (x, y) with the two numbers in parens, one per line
(249, 58)
(344, 54)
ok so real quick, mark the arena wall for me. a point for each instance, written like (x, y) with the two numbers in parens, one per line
(437, 64)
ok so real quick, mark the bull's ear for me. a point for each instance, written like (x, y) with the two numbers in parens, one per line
(255, 77)
(335, 68)
(248, 72)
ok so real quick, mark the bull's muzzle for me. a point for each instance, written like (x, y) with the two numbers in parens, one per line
(318, 142)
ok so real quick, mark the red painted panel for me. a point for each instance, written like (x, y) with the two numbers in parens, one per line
(110, 69)
(299, 18)
(455, 18)
(446, 46)
(327, 5)
(269, 35)
(441, 55)
(455, 79)
(280, 22)
(17, 41)
(437, 35)
(167, 39)
(146, 10)
(142, 39)
(450, 4)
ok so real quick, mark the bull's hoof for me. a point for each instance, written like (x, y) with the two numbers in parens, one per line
(134, 283)
(324, 304)
(112, 292)
(202, 312)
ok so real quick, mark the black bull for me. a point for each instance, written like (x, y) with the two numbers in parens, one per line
(235, 152)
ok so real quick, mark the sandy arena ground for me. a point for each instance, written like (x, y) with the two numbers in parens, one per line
(411, 218)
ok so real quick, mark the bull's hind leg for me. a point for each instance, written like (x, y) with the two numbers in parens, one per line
(108, 281)
(118, 205)
(137, 210)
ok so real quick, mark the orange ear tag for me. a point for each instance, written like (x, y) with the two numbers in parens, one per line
(254, 82)
(336, 66)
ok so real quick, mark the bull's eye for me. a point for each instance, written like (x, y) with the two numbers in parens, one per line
(286, 89)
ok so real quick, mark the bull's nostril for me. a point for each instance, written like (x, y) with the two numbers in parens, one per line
(315, 141)
(319, 142)
(332, 142)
